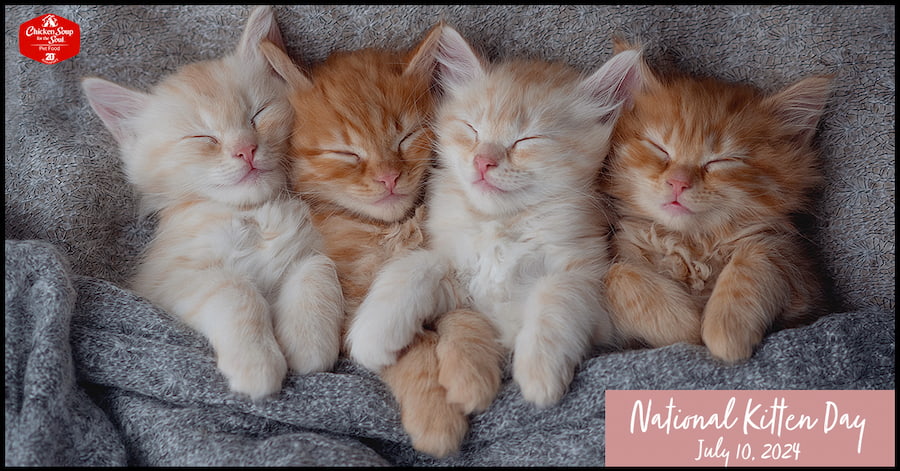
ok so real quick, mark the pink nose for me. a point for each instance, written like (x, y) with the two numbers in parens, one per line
(389, 180)
(246, 153)
(678, 184)
(484, 163)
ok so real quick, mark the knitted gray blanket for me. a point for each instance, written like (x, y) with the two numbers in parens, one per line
(96, 375)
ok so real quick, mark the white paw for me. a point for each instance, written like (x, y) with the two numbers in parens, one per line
(369, 345)
(379, 331)
(403, 295)
(315, 358)
(309, 316)
(256, 372)
(543, 380)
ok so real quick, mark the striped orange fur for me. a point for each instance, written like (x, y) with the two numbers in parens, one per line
(705, 176)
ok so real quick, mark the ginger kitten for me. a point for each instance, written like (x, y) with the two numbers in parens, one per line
(705, 176)
(513, 223)
(234, 256)
(361, 154)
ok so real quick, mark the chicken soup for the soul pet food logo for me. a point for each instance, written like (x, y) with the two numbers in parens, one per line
(49, 39)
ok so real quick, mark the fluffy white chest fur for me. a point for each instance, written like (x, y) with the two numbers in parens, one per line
(495, 265)
(537, 275)
(266, 241)
(254, 282)
(260, 243)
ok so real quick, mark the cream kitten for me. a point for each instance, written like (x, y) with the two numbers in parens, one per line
(513, 216)
(234, 256)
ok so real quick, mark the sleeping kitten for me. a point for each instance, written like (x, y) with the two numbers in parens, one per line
(361, 156)
(233, 256)
(705, 175)
(513, 216)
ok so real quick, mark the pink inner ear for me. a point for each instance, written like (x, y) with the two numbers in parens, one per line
(458, 62)
(614, 84)
(260, 26)
(114, 104)
(423, 58)
(801, 105)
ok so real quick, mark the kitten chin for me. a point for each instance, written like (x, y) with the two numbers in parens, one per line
(254, 188)
(391, 208)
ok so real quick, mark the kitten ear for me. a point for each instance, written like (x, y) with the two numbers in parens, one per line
(800, 106)
(613, 85)
(421, 60)
(260, 26)
(458, 62)
(115, 105)
(284, 66)
(647, 77)
(262, 39)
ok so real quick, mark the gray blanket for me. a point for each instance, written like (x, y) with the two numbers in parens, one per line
(96, 375)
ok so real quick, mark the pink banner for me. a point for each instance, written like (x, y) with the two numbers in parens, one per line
(750, 428)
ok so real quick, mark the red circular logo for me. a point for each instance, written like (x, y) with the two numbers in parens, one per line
(49, 39)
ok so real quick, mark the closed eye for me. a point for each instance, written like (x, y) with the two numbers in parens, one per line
(203, 137)
(720, 163)
(344, 156)
(255, 116)
(657, 149)
(474, 131)
(408, 139)
(525, 139)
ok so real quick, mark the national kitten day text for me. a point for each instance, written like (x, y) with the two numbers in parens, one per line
(773, 419)
(750, 428)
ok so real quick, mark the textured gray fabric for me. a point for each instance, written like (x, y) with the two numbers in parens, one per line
(98, 376)
(165, 403)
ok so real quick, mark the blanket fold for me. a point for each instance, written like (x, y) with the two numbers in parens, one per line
(50, 420)
(99, 376)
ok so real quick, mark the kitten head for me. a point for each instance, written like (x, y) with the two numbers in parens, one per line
(214, 130)
(699, 154)
(364, 140)
(516, 133)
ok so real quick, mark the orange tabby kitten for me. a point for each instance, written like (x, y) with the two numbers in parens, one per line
(361, 159)
(706, 176)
